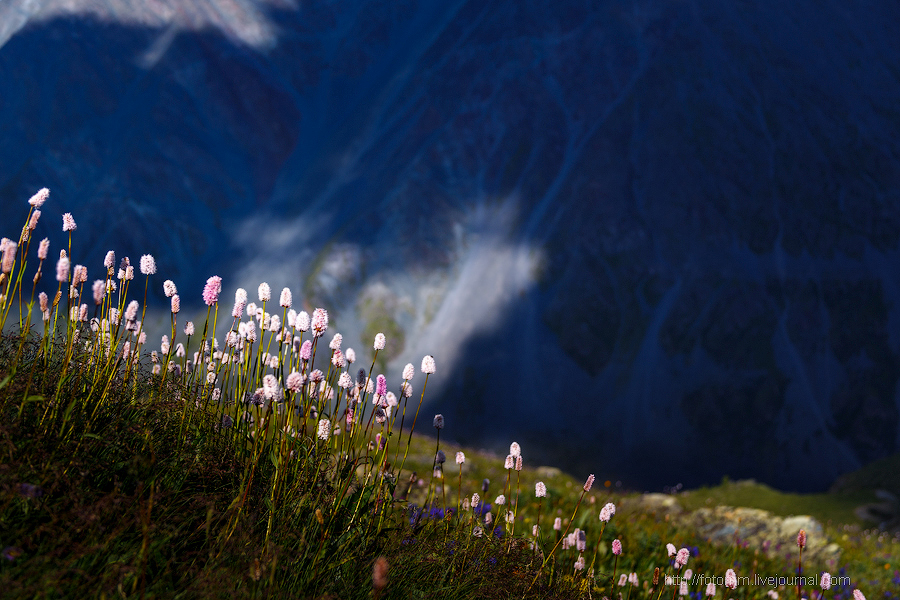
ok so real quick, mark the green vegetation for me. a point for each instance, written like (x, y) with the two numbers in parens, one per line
(255, 464)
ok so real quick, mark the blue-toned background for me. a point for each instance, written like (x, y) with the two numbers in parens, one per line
(653, 240)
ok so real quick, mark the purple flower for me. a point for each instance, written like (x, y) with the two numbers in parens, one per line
(11, 553)
(381, 385)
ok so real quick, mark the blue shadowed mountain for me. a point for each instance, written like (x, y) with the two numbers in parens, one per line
(653, 240)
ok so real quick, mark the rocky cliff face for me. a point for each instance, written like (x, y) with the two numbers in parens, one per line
(655, 240)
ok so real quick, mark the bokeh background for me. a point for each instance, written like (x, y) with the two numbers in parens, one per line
(655, 240)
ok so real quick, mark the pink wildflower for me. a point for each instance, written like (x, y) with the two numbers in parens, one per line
(428, 365)
(294, 381)
(617, 547)
(350, 355)
(39, 198)
(509, 463)
(302, 321)
(589, 483)
(858, 595)
(131, 311)
(801, 539)
(731, 579)
(9, 256)
(319, 321)
(557, 523)
(710, 589)
(607, 512)
(337, 359)
(438, 422)
(408, 371)
(99, 290)
(324, 429)
(286, 299)
(826, 580)
(43, 248)
(110, 260)
(212, 289)
(62, 269)
(306, 350)
(189, 328)
(379, 341)
(381, 385)
(540, 490)
(670, 548)
(148, 265)
(460, 458)
(336, 342)
(345, 381)
(69, 222)
(169, 288)
(515, 450)
(380, 574)
(519, 463)
(265, 292)
(681, 558)
(79, 274)
(33, 221)
(176, 304)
